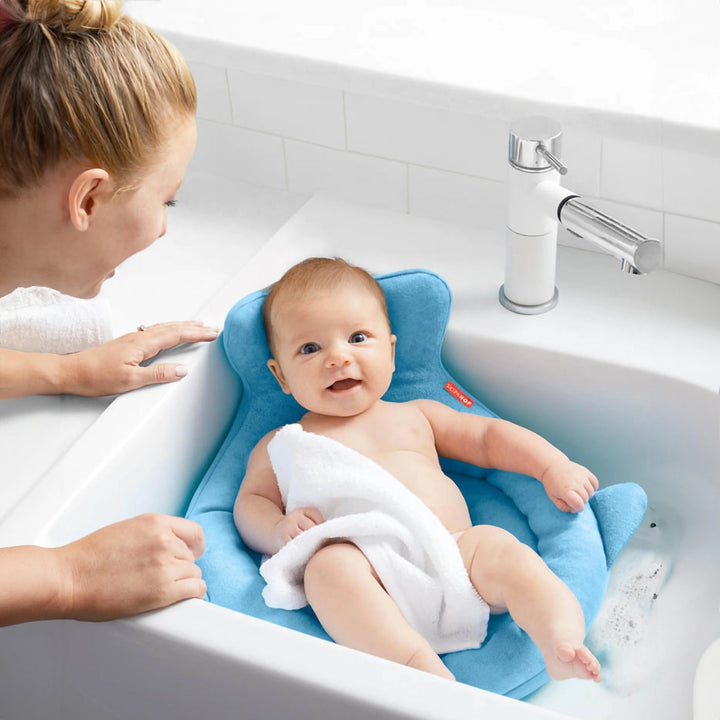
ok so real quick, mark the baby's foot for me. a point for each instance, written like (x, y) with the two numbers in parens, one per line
(569, 662)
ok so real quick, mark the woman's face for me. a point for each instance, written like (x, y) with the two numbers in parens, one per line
(127, 222)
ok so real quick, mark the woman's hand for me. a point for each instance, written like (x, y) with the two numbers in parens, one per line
(129, 567)
(114, 367)
(569, 485)
(296, 522)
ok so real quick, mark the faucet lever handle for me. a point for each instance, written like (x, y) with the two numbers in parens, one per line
(555, 162)
(535, 144)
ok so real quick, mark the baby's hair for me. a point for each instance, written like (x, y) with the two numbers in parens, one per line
(82, 82)
(317, 273)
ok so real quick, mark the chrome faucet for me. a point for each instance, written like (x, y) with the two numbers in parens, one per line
(536, 203)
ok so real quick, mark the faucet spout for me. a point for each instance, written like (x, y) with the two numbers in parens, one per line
(638, 253)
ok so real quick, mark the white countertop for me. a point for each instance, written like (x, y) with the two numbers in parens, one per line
(644, 60)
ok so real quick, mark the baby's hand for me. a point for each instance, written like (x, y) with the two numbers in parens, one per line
(296, 522)
(569, 485)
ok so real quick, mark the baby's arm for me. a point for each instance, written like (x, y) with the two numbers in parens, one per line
(259, 513)
(490, 442)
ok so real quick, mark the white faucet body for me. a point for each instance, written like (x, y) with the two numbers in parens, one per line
(531, 237)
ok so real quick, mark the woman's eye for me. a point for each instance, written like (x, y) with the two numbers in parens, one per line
(358, 337)
(309, 348)
(170, 203)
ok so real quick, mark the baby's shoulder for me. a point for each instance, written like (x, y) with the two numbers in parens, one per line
(423, 405)
(261, 445)
(409, 411)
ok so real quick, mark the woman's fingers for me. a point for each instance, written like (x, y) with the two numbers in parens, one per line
(164, 336)
(132, 566)
(187, 588)
(190, 533)
(115, 366)
(160, 373)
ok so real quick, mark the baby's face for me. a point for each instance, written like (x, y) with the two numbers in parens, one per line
(333, 350)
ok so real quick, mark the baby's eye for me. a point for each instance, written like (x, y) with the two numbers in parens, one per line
(309, 348)
(358, 337)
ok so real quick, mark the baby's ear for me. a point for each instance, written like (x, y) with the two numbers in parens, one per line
(274, 367)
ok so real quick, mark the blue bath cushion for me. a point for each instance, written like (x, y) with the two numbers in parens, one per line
(578, 547)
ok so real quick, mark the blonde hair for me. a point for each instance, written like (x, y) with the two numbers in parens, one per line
(313, 274)
(80, 81)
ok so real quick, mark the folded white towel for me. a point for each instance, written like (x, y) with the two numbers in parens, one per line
(413, 554)
(39, 319)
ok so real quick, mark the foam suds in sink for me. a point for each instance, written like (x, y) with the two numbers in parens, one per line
(618, 634)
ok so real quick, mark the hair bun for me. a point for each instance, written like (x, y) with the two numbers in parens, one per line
(75, 15)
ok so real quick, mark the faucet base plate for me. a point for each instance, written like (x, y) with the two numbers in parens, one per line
(527, 309)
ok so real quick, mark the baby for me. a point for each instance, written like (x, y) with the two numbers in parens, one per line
(333, 350)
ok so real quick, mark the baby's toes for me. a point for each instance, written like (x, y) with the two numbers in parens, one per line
(591, 663)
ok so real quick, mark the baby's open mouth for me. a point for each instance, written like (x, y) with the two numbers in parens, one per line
(345, 384)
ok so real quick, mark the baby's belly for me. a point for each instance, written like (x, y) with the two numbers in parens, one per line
(432, 486)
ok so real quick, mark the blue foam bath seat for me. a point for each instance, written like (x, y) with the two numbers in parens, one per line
(580, 548)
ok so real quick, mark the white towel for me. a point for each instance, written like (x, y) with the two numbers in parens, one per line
(412, 552)
(39, 319)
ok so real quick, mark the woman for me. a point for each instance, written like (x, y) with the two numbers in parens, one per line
(97, 126)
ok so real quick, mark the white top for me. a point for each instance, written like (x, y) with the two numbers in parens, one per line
(40, 319)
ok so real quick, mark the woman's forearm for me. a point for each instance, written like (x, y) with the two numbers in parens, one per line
(24, 373)
(31, 585)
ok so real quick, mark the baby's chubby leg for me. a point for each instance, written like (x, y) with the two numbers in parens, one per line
(356, 611)
(511, 576)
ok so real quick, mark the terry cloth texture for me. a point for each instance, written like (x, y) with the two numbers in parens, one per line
(39, 319)
(415, 557)
(579, 548)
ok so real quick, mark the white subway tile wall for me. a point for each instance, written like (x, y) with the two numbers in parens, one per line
(582, 154)
(360, 178)
(239, 154)
(213, 93)
(426, 136)
(441, 163)
(632, 173)
(692, 247)
(288, 108)
(692, 184)
(456, 198)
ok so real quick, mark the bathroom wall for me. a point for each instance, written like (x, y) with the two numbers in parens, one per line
(443, 154)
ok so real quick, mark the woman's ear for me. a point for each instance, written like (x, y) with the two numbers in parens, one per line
(272, 363)
(85, 192)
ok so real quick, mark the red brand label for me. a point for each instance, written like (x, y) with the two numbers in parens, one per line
(462, 397)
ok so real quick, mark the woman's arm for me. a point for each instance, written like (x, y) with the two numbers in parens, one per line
(111, 368)
(129, 567)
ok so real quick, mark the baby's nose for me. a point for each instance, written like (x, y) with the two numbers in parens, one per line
(338, 356)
